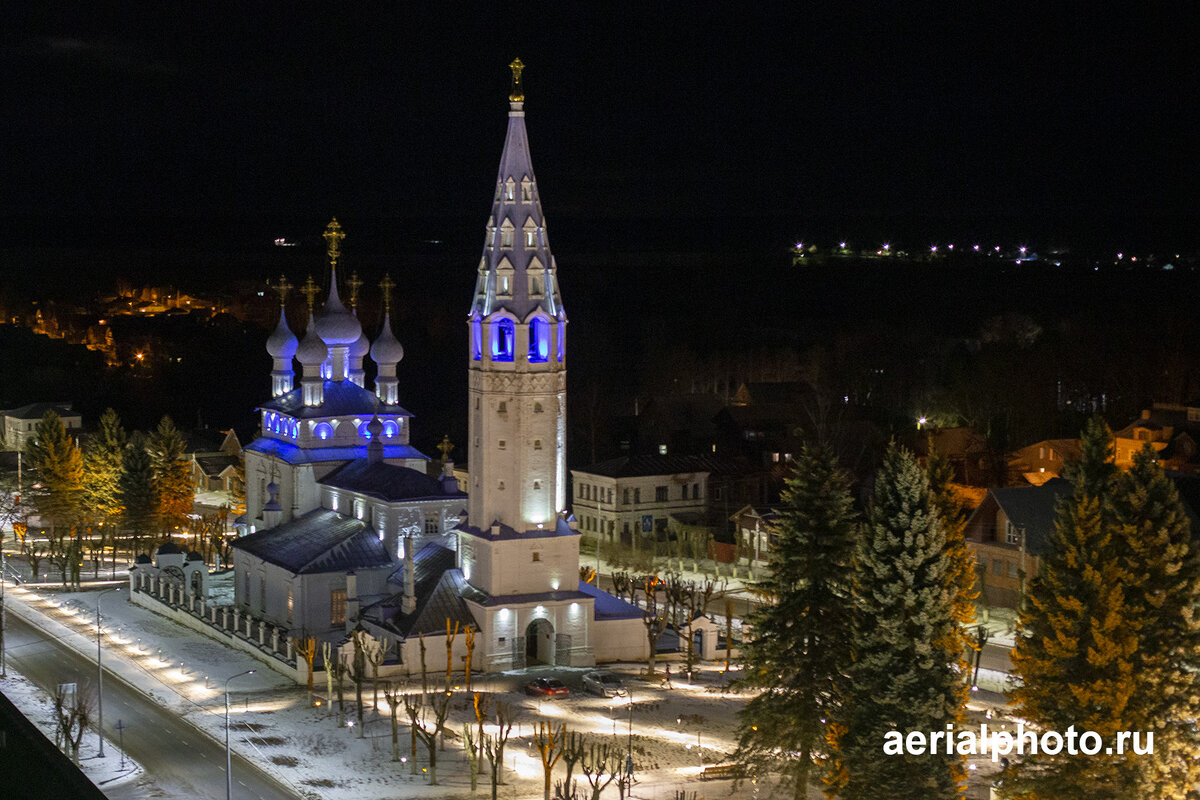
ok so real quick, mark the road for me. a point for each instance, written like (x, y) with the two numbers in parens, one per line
(180, 761)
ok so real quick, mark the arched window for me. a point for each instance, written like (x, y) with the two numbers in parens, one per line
(476, 339)
(539, 340)
(323, 431)
(390, 429)
(503, 334)
(363, 431)
(562, 342)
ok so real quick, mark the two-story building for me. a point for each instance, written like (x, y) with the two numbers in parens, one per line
(19, 423)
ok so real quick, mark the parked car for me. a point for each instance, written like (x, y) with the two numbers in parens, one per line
(547, 687)
(604, 684)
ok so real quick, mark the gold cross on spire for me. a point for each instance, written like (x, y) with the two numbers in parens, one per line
(387, 284)
(354, 284)
(283, 287)
(445, 447)
(333, 241)
(518, 91)
(310, 291)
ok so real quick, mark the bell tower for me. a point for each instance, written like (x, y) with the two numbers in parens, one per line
(516, 352)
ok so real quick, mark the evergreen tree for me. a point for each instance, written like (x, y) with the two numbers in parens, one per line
(59, 465)
(1076, 652)
(102, 467)
(801, 640)
(172, 476)
(906, 646)
(136, 490)
(1163, 564)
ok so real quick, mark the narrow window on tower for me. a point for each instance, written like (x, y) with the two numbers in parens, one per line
(526, 191)
(502, 340)
(562, 342)
(502, 408)
(476, 339)
(505, 285)
(502, 443)
(537, 408)
(531, 238)
(537, 444)
(535, 286)
(506, 238)
(539, 340)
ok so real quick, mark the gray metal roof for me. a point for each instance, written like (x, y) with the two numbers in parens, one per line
(438, 590)
(38, 410)
(1032, 508)
(320, 541)
(647, 465)
(388, 482)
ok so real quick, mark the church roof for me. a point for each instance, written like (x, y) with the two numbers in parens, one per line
(643, 466)
(213, 466)
(341, 398)
(608, 606)
(438, 590)
(38, 410)
(518, 211)
(294, 454)
(388, 482)
(320, 541)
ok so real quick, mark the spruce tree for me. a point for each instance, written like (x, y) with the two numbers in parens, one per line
(904, 676)
(172, 476)
(800, 647)
(102, 467)
(1075, 656)
(1163, 563)
(59, 465)
(139, 503)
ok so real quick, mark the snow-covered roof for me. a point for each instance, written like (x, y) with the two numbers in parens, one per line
(340, 398)
(387, 482)
(438, 589)
(320, 541)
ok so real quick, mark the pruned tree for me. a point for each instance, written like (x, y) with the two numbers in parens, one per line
(306, 648)
(655, 624)
(470, 747)
(356, 668)
(572, 751)
(428, 720)
(548, 740)
(424, 670)
(450, 637)
(600, 766)
(493, 746)
(376, 653)
(394, 700)
(338, 671)
(480, 703)
(469, 633)
(327, 659)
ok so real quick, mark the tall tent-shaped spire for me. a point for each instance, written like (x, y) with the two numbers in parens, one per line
(516, 351)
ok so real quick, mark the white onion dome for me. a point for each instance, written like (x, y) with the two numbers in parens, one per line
(387, 349)
(312, 351)
(335, 325)
(282, 343)
(361, 346)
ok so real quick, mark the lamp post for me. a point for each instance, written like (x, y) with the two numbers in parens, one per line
(100, 675)
(228, 757)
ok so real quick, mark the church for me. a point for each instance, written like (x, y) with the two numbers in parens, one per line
(345, 528)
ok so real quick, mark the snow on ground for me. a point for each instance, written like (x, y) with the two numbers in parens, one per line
(281, 727)
(38, 707)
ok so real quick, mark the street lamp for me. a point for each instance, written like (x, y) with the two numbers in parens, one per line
(228, 757)
(100, 674)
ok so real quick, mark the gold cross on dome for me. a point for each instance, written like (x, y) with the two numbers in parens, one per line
(445, 447)
(333, 241)
(518, 91)
(387, 284)
(310, 291)
(283, 287)
(354, 284)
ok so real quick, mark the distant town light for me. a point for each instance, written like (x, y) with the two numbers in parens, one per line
(886, 246)
(933, 248)
(977, 248)
(951, 247)
(842, 245)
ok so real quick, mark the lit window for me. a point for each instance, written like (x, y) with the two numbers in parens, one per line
(431, 526)
(502, 340)
(337, 607)
(530, 238)
(476, 339)
(562, 342)
(539, 340)
(390, 429)
(526, 191)
(323, 430)
(506, 238)
(363, 431)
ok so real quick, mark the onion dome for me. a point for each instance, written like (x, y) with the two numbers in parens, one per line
(282, 343)
(387, 349)
(360, 348)
(335, 325)
(169, 549)
(312, 351)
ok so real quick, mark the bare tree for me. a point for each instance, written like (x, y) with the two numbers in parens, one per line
(376, 652)
(548, 739)
(394, 700)
(572, 752)
(470, 641)
(306, 648)
(431, 711)
(424, 671)
(327, 651)
(480, 702)
(493, 746)
(356, 669)
(450, 637)
(600, 766)
(469, 745)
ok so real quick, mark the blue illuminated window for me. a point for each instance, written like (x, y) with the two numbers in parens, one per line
(539, 340)
(323, 430)
(503, 334)
(390, 429)
(562, 342)
(363, 430)
(476, 339)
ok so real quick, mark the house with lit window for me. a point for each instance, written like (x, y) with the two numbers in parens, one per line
(1044, 460)
(1173, 430)
(18, 424)
(1008, 534)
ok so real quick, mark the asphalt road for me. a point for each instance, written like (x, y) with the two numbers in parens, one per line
(180, 761)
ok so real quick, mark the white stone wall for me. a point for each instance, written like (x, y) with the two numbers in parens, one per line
(620, 640)
(501, 627)
(521, 565)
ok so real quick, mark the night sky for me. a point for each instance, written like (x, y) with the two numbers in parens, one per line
(218, 121)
